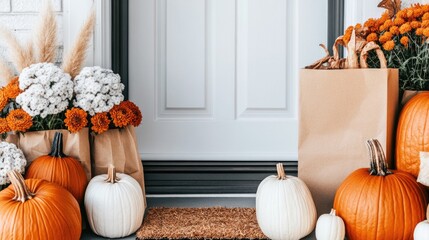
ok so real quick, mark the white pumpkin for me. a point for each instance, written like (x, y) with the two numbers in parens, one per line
(114, 204)
(330, 227)
(284, 207)
(421, 232)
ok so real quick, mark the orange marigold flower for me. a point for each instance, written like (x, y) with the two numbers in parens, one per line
(137, 114)
(425, 24)
(425, 16)
(372, 37)
(3, 99)
(398, 21)
(387, 24)
(384, 17)
(415, 24)
(389, 45)
(426, 32)
(19, 120)
(419, 31)
(405, 28)
(425, 8)
(100, 122)
(404, 41)
(4, 127)
(120, 115)
(394, 30)
(358, 26)
(382, 28)
(11, 90)
(75, 119)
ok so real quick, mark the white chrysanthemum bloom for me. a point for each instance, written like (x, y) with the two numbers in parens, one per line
(11, 158)
(46, 89)
(97, 90)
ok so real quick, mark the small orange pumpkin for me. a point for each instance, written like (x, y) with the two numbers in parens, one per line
(379, 203)
(412, 132)
(37, 209)
(61, 169)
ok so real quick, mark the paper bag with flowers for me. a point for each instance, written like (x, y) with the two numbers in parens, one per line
(36, 104)
(111, 120)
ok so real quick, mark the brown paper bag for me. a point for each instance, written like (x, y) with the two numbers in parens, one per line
(117, 147)
(339, 111)
(38, 143)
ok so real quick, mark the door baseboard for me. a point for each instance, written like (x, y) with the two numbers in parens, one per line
(209, 177)
(201, 200)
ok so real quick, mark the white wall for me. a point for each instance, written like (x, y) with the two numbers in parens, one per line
(22, 15)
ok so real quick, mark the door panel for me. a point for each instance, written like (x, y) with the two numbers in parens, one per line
(218, 79)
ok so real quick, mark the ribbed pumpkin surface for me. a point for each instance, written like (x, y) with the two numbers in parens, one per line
(413, 134)
(380, 207)
(64, 171)
(52, 213)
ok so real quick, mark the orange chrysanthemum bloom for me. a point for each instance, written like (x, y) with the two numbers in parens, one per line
(398, 21)
(383, 39)
(425, 24)
(394, 30)
(425, 8)
(418, 12)
(389, 45)
(405, 28)
(415, 24)
(19, 120)
(401, 14)
(404, 41)
(100, 122)
(75, 119)
(358, 26)
(372, 37)
(369, 23)
(410, 13)
(4, 127)
(387, 24)
(384, 17)
(137, 114)
(425, 16)
(3, 99)
(120, 115)
(11, 90)
(382, 28)
(419, 31)
(426, 32)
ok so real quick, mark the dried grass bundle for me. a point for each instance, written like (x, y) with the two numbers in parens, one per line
(6, 73)
(46, 34)
(22, 57)
(74, 59)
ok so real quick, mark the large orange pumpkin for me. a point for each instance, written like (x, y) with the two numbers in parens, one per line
(412, 133)
(61, 169)
(37, 209)
(379, 203)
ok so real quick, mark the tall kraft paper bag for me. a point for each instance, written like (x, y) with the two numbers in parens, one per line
(39, 143)
(118, 147)
(338, 111)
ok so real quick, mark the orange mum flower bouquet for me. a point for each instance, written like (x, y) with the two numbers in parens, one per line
(403, 35)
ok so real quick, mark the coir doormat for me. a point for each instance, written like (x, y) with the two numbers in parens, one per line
(200, 223)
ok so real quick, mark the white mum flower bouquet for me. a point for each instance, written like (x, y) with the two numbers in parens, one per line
(98, 90)
(11, 158)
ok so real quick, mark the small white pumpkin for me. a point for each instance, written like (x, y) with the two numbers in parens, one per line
(114, 204)
(330, 227)
(421, 232)
(284, 207)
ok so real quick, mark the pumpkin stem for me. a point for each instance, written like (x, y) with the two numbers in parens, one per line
(111, 174)
(22, 193)
(281, 175)
(378, 165)
(333, 212)
(57, 146)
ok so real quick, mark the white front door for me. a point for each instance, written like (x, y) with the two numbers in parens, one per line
(218, 79)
